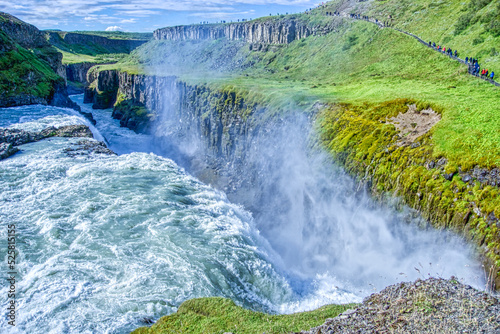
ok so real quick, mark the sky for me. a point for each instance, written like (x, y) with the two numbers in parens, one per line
(142, 15)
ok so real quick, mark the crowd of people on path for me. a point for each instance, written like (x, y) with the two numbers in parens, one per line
(472, 63)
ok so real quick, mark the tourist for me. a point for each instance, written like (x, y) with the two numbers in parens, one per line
(492, 75)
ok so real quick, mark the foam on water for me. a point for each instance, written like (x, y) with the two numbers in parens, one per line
(106, 241)
(120, 140)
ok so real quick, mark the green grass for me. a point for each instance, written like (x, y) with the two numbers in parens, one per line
(362, 140)
(23, 73)
(358, 63)
(219, 315)
(75, 57)
(437, 21)
(118, 34)
(88, 51)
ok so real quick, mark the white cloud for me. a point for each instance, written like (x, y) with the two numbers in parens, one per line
(126, 21)
(52, 13)
(114, 28)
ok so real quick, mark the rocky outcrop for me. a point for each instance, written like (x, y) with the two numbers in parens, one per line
(78, 72)
(6, 150)
(103, 89)
(273, 31)
(430, 306)
(86, 147)
(9, 138)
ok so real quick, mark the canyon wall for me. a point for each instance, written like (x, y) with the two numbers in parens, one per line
(106, 45)
(208, 131)
(212, 133)
(279, 31)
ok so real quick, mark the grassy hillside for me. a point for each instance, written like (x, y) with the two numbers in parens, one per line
(219, 315)
(25, 78)
(472, 27)
(359, 63)
(108, 47)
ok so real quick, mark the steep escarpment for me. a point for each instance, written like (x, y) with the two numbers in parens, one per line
(222, 119)
(71, 41)
(275, 31)
(76, 75)
(32, 71)
(78, 72)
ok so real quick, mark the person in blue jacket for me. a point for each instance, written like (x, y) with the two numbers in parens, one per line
(492, 75)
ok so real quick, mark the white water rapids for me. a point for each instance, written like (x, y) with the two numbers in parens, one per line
(106, 242)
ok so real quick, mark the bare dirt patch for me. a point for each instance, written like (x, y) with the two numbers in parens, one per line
(414, 123)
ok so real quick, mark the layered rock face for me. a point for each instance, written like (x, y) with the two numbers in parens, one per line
(78, 72)
(269, 32)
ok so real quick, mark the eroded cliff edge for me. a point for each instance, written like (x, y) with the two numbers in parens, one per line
(271, 31)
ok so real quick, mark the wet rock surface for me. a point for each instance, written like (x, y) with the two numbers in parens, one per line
(86, 147)
(430, 306)
(6, 150)
(9, 138)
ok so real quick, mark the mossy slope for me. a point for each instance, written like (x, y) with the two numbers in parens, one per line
(24, 77)
(220, 315)
(360, 138)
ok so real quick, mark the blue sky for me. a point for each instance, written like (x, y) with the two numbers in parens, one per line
(142, 15)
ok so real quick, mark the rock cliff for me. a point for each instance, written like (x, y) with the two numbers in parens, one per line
(66, 40)
(217, 126)
(78, 72)
(32, 70)
(279, 31)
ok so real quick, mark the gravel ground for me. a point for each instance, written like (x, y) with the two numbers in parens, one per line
(430, 306)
